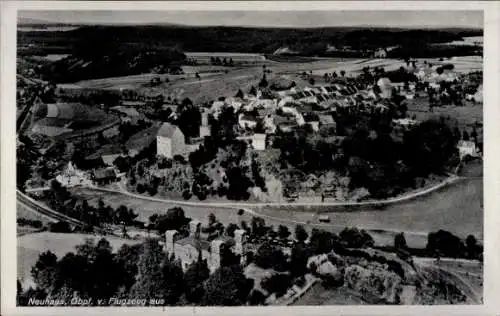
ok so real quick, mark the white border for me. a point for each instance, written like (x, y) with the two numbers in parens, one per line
(8, 11)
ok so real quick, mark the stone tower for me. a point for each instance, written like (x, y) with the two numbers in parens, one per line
(215, 253)
(171, 237)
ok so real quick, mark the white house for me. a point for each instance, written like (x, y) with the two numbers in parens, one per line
(466, 147)
(259, 141)
(170, 141)
(380, 53)
(247, 120)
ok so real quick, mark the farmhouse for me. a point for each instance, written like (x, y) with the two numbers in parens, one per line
(467, 148)
(104, 176)
(192, 247)
(247, 120)
(380, 53)
(327, 124)
(170, 141)
(259, 141)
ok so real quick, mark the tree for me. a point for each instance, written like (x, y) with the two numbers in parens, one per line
(245, 226)
(230, 229)
(127, 257)
(239, 94)
(300, 233)
(471, 245)
(256, 298)
(342, 73)
(173, 220)
(283, 232)
(263, 82)
(252, 91)
(312, 81)
(173, 279)
(355, 238)
(444, 243)
(227, 286)
(196, 274)
(44, 271)
(258, 226)
(465, 136)
(269, 256)
(298, 260)
(149, 283)
(400, 241)
(429, 147)
(211, 219)
(322, 241)
(277, 283)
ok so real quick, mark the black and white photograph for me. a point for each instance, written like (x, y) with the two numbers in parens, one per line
(193, 158)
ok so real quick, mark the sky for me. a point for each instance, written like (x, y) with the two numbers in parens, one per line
(404, 19)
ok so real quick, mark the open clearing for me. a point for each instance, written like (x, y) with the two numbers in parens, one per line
(319, 295)
(29, 247)
(456, 208)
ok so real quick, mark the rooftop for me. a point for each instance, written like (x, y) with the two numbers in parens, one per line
(167, 130)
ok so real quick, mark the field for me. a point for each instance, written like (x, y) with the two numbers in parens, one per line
(457, 208)
(319, 295)
(30, 246)
(465, 116)
(24, 212)
(146, 208)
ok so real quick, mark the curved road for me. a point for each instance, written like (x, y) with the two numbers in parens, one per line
(230, 204)
(248, 207)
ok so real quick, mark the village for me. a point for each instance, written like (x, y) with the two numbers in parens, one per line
(272, 111)
(264, 179)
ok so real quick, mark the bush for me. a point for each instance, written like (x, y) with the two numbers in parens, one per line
(152, 190)
(278, 283)
(354, 238)
(180, 159)
(140, 188)
(241, 211)
(60, 227)
(28, 222)
(186, 194)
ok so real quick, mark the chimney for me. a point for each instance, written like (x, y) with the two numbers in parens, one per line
(170, 239)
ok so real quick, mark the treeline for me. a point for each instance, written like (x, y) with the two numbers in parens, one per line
(306, 41)
(111, 60)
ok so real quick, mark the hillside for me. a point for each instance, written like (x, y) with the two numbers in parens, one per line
(305, 41)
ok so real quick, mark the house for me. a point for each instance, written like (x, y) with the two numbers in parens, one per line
(170, 141)
(405, 122)
(327, 123)
(259, 141)
(193, 247)
(104, 175)
(467, 148)
(380, 53)
(285, 123)
(247, 120)
(312, 120)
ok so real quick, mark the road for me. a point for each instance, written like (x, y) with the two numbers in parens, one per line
(234, 205)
